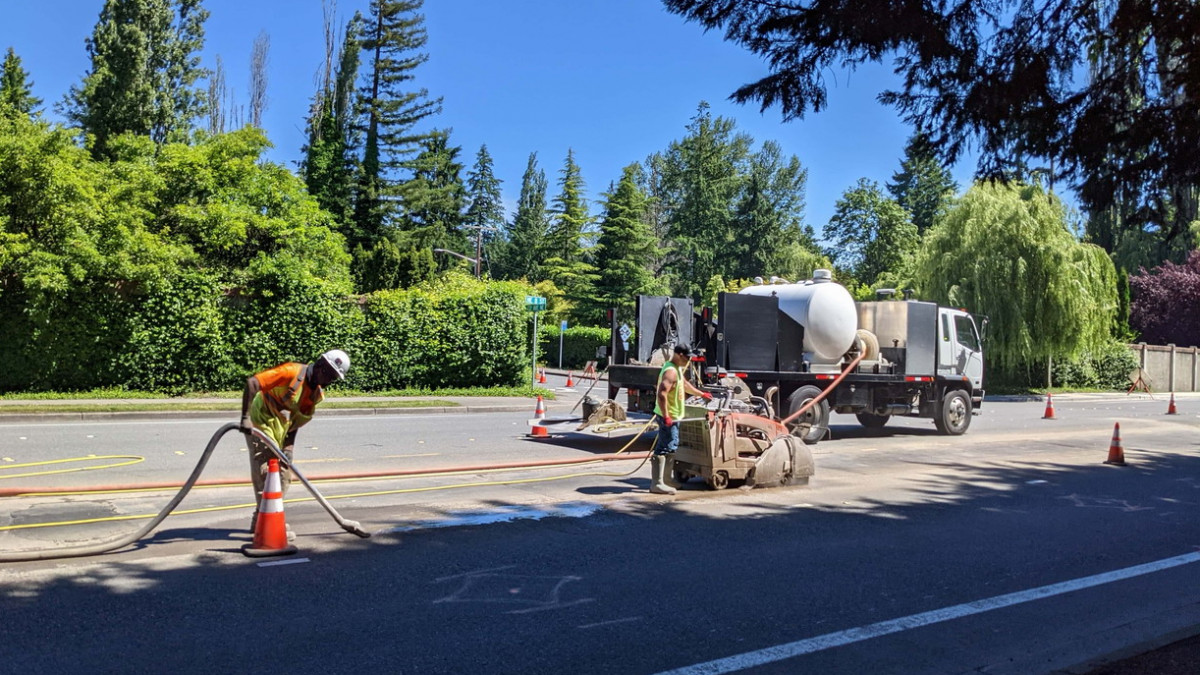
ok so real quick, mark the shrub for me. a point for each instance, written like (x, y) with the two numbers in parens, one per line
(1106, 367)
(579, 345)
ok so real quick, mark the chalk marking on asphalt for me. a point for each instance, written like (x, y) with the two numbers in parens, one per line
(609, 623)
(789, 650)
(422, 454)
(289, 561)
(557, 605)
(471, 574)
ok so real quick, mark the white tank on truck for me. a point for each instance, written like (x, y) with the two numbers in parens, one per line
(823, 308)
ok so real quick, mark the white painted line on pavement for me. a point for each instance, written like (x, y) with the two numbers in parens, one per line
(289, 561)
(789, 650)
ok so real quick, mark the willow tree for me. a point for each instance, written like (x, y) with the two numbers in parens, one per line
(1005, 252)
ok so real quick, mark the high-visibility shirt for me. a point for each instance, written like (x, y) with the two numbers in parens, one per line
(675, 396)
(284, 402)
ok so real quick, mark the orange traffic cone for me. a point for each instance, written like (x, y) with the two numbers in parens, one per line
(1049, 407)
(539, 431)
(1171, 406)
(1116, 454)
(570, 382)
(539, 413)
(541, 376)
(270, 531)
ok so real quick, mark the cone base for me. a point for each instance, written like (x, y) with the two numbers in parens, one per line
(1116, 462)
(252, 552)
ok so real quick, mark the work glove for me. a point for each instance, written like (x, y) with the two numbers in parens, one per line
(706, 396)
(668, 420)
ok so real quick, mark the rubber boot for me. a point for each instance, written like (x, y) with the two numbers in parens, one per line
(657, 486)
(669, 471)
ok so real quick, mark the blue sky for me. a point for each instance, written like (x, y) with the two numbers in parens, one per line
(615, 80)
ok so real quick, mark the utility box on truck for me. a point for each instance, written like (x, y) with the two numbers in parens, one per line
(787, 344)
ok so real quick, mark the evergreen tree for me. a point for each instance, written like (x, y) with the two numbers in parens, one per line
(625, 248)
(526, 236)
(485, 215)
(391, 108)
(435, 199)
(565, 261)
(702, 177)
(145, 64)
(329, 162)
(768, 224)
(16, 90)
(923, 186)
(869, 233)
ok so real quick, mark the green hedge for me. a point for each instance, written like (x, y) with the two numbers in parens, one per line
(579, 346)
(1105, 368)
(191, 333)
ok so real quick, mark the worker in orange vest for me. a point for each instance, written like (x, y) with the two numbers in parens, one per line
(278, 402)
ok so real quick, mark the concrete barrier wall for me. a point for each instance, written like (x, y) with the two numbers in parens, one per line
(1168, 368)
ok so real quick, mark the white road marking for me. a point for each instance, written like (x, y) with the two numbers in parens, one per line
(789, 650)
(289, 561)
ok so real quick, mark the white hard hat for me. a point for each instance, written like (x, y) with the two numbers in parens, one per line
(339, 360)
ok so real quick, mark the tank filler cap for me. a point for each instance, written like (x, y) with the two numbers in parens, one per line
(822, 276)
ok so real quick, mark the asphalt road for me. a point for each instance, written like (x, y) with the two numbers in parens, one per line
(1013, 549)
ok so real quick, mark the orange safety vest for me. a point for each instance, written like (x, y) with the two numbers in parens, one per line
(283, 403)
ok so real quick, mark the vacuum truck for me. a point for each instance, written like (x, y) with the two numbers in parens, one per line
(784, 344)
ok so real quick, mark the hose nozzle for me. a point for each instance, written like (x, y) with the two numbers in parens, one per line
(353, 527)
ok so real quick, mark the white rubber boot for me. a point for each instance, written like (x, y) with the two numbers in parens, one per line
(657, 486)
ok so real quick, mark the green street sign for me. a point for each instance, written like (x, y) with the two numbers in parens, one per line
(535, 303)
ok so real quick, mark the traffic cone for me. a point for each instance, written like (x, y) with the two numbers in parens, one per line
(541, 376)
(1049, 407)
(570, 382)
(539, 413)
(539, 431)
(1116, 454)
(1171, 406)
(270, 532)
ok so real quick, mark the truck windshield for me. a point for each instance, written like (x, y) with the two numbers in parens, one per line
(964, 329)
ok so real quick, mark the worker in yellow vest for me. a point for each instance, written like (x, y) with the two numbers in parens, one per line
(668, 410)
(278, 402)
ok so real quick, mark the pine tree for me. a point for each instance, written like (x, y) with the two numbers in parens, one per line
(923, 186)
(329, 162)
(16, 90)
(435, 199)
(702, 178)
(565, 262)
(145, 65)
(525, 237)
(391, 107)
(485, 215)
(625, 248)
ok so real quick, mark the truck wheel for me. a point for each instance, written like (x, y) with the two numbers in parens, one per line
(871, 420)
(809, 427)
(955, 414)
(719, 480)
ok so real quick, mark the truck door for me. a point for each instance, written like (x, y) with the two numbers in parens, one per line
(959, 349)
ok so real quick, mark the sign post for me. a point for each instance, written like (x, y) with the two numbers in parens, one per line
(561, 329)
(535, 304)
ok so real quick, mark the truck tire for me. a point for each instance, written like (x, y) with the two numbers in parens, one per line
(954, 415)
(811, 426)
(871, 420)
